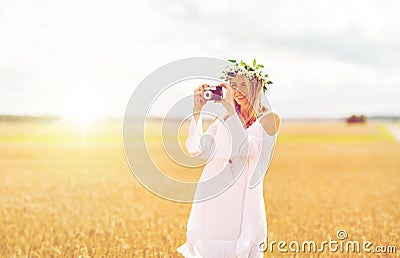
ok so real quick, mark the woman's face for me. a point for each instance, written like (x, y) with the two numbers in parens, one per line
(240, 92)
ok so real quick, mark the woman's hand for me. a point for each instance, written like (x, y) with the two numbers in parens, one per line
(228, 102)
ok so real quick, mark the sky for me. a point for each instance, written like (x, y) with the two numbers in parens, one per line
(327, 59)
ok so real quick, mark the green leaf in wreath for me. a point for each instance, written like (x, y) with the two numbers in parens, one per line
(264, 89)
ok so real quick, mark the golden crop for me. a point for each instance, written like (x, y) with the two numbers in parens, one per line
(68, 192)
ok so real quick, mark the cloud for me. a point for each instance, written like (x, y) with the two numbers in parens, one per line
(56, 49)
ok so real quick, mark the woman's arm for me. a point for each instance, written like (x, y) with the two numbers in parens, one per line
(271, 122)
(200, 144)
(198, 101)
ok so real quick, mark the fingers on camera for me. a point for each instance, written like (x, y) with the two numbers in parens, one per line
(224, 85)
(199, 89)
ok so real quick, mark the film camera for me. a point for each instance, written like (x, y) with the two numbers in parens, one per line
(213, 92)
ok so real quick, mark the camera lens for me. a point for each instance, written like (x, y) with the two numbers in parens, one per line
(207, 95)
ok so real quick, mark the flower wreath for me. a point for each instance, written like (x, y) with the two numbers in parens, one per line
(242, 68)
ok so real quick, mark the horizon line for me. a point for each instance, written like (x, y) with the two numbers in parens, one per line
(11, 117)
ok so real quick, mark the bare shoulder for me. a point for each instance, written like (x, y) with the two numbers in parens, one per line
(271, 122)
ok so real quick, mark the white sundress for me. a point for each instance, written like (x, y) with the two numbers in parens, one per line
(234, 222)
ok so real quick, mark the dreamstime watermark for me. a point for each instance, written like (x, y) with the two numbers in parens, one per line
(331, 245)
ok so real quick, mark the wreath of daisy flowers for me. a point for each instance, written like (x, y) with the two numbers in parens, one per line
(251, 71)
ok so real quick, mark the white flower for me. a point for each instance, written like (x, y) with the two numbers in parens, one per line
(237, 69)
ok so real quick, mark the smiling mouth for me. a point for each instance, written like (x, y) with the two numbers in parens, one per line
(240, 97)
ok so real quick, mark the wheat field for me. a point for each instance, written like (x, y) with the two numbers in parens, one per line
(68, 191)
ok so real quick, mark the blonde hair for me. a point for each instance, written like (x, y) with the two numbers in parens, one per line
(254, 94)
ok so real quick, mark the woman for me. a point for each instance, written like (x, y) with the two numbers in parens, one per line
(233, 223)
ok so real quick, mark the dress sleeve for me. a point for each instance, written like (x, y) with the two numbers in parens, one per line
(198, 143)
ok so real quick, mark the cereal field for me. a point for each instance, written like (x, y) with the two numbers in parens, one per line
(67, 190)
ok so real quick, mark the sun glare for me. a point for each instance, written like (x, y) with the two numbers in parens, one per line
(82, 112)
